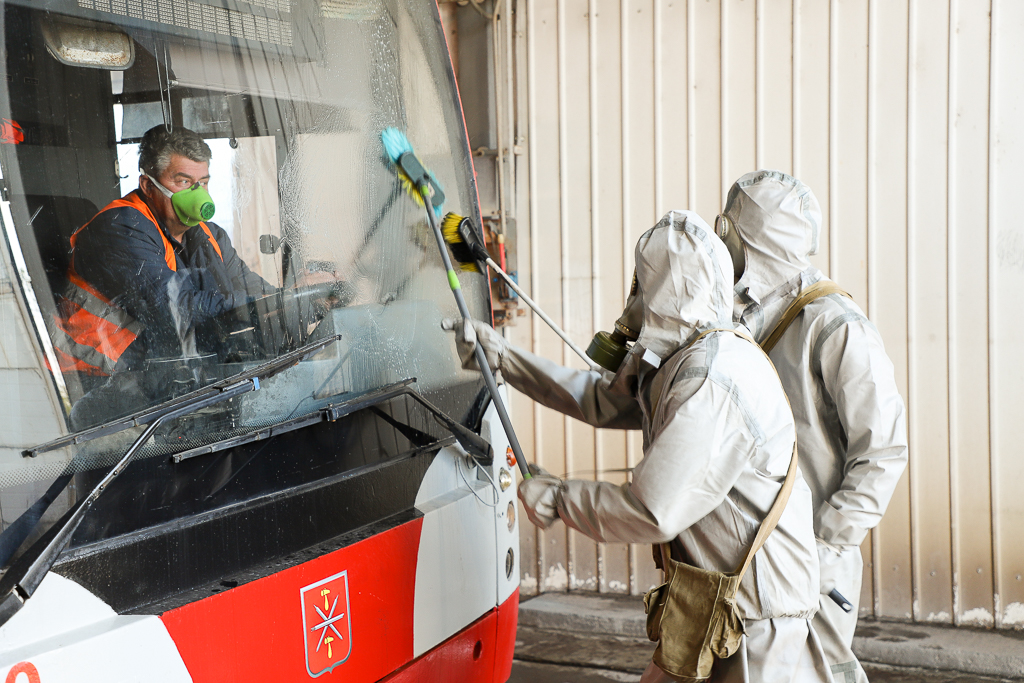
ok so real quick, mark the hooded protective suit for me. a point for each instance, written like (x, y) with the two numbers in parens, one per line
(850, 418)
(718, 438)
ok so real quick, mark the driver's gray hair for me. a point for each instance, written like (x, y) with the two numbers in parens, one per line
(158, 146)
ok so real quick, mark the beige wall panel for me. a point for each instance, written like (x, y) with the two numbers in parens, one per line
(968, 284)
(705, 107)
(674, 52)
(811, 49)
(739, 94)
(547, 252)
(887, 111)
(575, 158)
(606, 181)
(867, 587)
(577, 267)
(887, 273)
(929, 404)
(606, 152)
(775, 85)
(848, 176)
(1006, 249)
(638, 122)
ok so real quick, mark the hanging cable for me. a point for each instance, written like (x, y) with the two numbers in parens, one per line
(478, 6)
(494, 488)
(165, 107)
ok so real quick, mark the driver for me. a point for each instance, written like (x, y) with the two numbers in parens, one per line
(149, 269)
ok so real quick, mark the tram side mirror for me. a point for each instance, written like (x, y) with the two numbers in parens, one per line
(269, 244)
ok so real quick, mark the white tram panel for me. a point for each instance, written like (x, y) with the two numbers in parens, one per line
(65, 633)
(506, 534)
(460, 569)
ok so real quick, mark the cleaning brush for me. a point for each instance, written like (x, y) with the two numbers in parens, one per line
(397, 146)
(421, 182)
(467, 249)
(460, 235)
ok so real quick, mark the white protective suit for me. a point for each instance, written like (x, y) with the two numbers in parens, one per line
(715, 451)
(850, 418)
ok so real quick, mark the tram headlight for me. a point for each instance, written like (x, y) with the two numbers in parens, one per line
(504, 479)
(511, 514)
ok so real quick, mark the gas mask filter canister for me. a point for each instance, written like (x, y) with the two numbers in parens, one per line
(609, 349)
(192, 205)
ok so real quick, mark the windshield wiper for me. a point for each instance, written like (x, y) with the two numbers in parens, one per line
(290, 424)
(25, 575)
(145, 417)
(471, 442)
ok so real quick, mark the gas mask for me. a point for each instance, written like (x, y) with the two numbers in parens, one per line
(609, 349)
(679, 287)
(726, 231)
(620, 351)
(192, 205)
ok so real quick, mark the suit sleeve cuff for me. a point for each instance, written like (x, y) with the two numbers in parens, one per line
(835, 528)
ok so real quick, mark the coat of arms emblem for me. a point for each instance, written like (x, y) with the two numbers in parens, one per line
(325, 623)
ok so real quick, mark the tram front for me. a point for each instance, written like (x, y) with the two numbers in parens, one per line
(236, 443)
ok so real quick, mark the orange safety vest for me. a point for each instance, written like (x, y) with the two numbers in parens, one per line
(91, 331)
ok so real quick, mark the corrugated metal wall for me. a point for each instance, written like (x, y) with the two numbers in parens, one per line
(906, 117)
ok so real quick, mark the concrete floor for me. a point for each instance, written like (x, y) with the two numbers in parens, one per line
(558, 656)
(533, 672)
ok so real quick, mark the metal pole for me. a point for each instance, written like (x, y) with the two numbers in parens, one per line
(481, 358)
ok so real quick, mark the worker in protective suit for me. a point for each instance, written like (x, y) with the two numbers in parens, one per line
(850, 418)
(718, 440)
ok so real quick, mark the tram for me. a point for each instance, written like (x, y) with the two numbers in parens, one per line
(307, 485)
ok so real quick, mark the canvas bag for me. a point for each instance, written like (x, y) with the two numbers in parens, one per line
(693, 615)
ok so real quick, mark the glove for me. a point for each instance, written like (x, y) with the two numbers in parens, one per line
(540, 497)
(467, 337)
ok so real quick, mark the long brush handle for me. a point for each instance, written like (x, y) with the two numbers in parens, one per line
(543, 316)
(481, 357)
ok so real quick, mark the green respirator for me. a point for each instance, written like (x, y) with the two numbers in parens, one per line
(192, 205)
(609, 349)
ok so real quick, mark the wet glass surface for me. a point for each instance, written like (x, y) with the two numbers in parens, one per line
(291, 98)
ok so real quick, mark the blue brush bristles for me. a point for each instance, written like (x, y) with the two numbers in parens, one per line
(395, 143)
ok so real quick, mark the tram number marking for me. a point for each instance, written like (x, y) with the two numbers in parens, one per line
(26, 668)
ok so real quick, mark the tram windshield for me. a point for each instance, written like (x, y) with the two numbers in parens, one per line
(108, 305)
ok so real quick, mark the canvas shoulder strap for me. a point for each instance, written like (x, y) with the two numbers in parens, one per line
(815, 291)
(818, 289)
(772, 519)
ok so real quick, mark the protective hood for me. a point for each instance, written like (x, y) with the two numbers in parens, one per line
(779, 221)
(683, 274)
